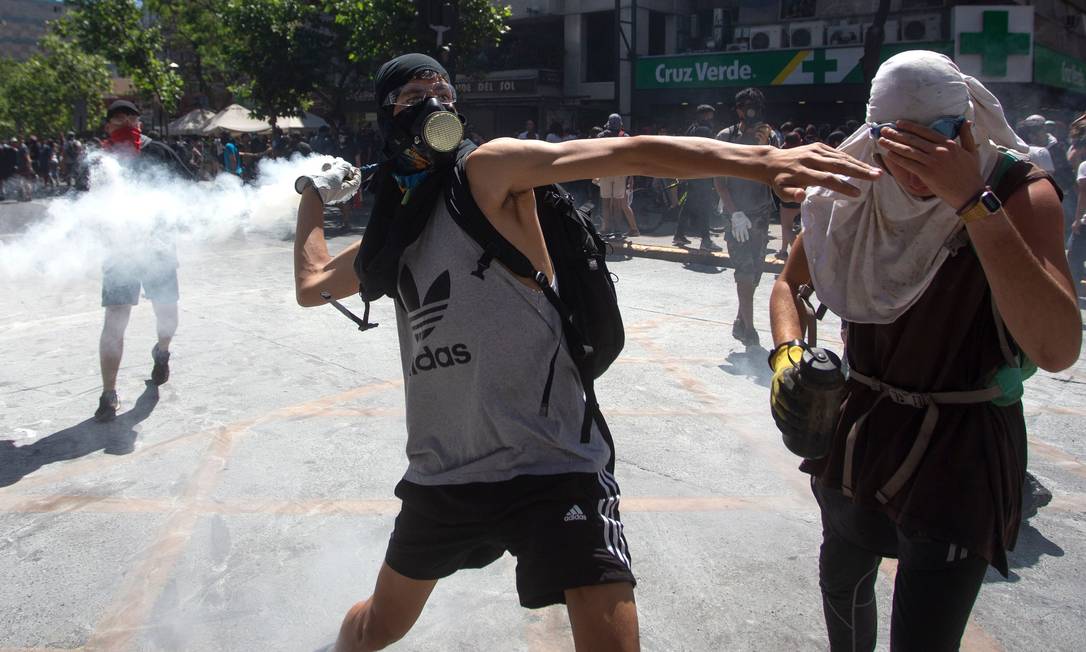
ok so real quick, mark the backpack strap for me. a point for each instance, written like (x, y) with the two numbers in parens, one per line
(469, 217)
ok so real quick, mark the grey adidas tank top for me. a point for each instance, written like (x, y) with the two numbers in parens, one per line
(476, 353)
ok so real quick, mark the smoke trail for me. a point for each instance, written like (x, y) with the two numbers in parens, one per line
(134, 209)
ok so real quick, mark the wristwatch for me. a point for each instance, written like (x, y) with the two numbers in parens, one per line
(982, 205)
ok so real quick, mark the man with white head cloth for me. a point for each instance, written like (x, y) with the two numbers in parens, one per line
(950, 273)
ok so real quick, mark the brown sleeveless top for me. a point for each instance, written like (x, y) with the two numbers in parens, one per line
(967, 488)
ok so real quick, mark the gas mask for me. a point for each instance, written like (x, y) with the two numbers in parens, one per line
(432, 128)
(752, 115)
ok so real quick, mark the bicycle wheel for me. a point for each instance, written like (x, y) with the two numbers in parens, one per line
(647, 210)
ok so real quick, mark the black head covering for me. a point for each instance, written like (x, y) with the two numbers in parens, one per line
(392, 75)
(402, 69)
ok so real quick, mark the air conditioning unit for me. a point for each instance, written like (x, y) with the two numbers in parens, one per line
(806, 35)
(740, 40)
(926, 27)
(765, 38)
(890, 31)
(844, 35)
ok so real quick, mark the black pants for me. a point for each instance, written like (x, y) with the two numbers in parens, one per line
(696, 211)
(936, 584)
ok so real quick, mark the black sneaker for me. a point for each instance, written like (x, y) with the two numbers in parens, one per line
(680, 241)
(160, 373)
(709, 245)
(107, 407)
(752, 337)
(739, 330)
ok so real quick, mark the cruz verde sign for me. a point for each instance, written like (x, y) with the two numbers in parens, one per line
(770, 68)
(1055, 69)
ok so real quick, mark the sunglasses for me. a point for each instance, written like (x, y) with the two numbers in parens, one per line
(948, 126)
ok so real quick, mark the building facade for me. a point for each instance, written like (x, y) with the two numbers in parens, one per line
(654, 60)
(23, 23)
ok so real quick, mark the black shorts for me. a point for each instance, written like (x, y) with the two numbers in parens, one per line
(121, 285)
(564, 530)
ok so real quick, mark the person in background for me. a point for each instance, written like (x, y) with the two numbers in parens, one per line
(231, 158)
(147, 259)
(701, 198)
(555, 133)
(789, 210)
(750, 206)
(614, 190)
(529, 132)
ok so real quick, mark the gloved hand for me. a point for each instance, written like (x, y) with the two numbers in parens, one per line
(789, 401)
(740, 226)
(805, 397)
(337, 182)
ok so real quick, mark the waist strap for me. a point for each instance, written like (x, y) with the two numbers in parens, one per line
(929, 402)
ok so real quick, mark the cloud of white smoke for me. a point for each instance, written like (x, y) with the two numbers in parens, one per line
(137, 210)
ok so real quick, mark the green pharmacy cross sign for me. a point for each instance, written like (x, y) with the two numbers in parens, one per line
(994, 43)
(819, 65)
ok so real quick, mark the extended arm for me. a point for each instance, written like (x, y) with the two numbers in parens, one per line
(510, 166)
(316, 271)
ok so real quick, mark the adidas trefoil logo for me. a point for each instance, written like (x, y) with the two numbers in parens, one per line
(575, 514)
(423, 318)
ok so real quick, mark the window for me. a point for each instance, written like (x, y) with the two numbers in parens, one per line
(600, 53)
(797, 9)
(657, 33)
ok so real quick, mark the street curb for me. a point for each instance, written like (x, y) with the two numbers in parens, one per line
(683, 255)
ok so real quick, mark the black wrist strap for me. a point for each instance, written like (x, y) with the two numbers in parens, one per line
(772, 354)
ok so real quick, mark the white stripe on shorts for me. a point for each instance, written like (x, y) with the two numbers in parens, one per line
(613, 538)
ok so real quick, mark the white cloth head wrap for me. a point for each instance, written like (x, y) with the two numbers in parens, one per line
(872, 256)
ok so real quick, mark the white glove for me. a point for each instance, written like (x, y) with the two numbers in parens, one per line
(337, 182)
(740, 226)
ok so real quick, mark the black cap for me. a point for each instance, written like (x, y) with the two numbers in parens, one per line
(706, 107)
(121, 105)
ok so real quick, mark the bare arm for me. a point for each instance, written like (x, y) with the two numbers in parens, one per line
(784, 309)
(724, 194)
(512, 166)
(316, 271)
(1021, 249)
(1080, 208)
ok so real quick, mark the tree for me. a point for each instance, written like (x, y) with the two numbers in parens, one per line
(117, 30)
(196, 37)
(40, 95)
(295, 52)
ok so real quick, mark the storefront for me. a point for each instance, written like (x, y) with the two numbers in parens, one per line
(826, 84)
(499, 103)
(813, 85)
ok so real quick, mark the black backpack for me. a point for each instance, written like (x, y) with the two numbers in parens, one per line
(588, 306)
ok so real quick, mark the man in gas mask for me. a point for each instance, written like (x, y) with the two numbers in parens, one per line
(487, 473)
(750, 207)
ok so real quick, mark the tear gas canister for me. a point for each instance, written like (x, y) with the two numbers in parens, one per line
(819, 374)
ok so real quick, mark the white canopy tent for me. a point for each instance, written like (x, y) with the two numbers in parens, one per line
(192, 123)
(236, 118)
(307, 122)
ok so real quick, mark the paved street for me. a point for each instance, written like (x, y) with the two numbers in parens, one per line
(246, 504)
